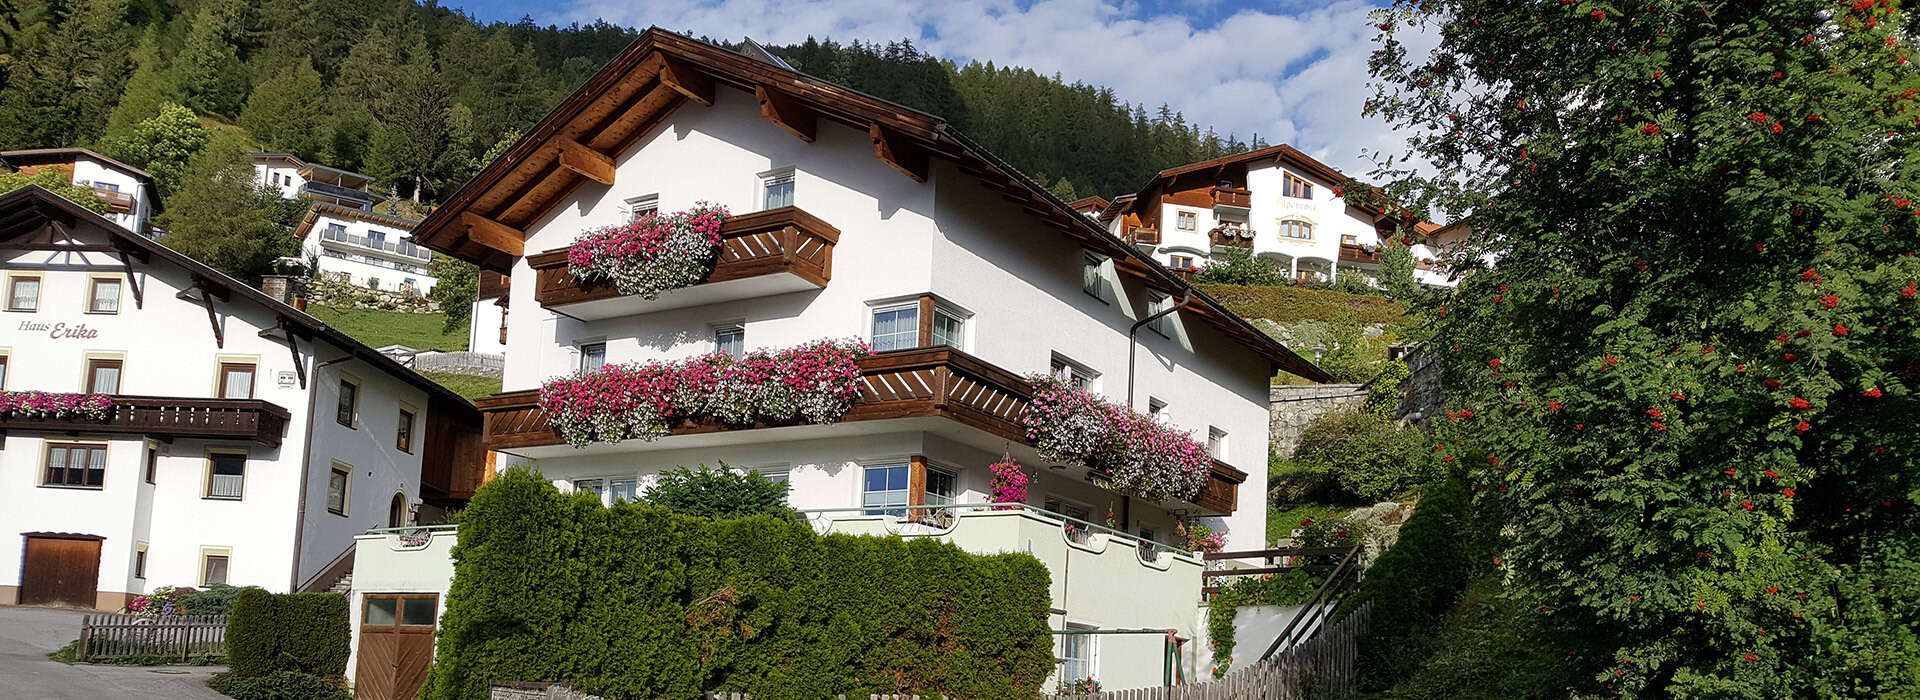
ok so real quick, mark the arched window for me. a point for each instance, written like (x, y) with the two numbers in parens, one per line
(1296, 229)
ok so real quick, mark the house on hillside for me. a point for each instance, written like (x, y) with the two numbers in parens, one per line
(131, 198)
(855, 218)
(1279, 204)
(167, 425)
(297, 179)
(353, 242)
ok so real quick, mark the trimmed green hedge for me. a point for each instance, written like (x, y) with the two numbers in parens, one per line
(1290, 304)
(299, 632)
(279, 685)
(638, 601)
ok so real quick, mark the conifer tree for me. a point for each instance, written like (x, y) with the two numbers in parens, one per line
(208, 70)
(412, 134)
(288, 111)
(221, 218)
(65, 78)
(148, 89)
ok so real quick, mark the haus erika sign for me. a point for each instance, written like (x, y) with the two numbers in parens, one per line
(59, 330)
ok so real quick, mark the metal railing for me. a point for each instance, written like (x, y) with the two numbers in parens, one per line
(402, 247)
(1080, 531)
(336, 192)
(376, 262)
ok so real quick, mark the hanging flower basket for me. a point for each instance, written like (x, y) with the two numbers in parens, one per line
(1139, 455)
(815, 382)
(42, 404)
(653, 253)
(1009, 484)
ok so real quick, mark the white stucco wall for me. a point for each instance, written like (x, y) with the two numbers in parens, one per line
(483, 333)
(382, 564)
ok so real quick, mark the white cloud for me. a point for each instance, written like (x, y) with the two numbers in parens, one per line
(1296, 76)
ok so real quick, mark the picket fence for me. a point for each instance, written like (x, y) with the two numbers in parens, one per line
(174, 637)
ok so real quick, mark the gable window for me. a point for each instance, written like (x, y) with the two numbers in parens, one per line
(642, 205)
(1094, 279)
(348, 406)
(776, 189)
(23, 293)
(103, 375)
(403, 438)
(1186, 221)
(896, 327)
(884, 491)
(103, 296)
(1164, 324)
(338, 484)
(76, 465)
(592, 356)
(730, 340)
(236, 380)
(1073, 374)
(1297, 188)
(1296, 229)
(226, 475)
(213, 565)
(1216, 442)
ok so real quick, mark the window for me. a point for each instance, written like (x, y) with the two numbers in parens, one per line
(642, 205)
(226, 475)
(949, 328)
(896, 328)
(23, 293)
(1183, 262)
(1186, 221)
(236, 380)
(778, 475)
(411, 612)
(1094, 279)
(153, 463)
(108, 186)
(1164, 324)
(776, 189)
(597, 487)
(103, 375)
(1073, 374)
(213, 566)
(336, 232)
(1075, 531)
(338, 484)
(1216, 442)
(348, 407)
(941, 487)
(885, 490)
(1296, 229)
(593, 356)
(103, 296)
(376, 236)
(3, 371)
(1076, 653)
(1349, 239)
(1298, 188)
(730, 340)
(76, 465)
(403, 440)
(623, 490)
(1157, 410)
(140, 560)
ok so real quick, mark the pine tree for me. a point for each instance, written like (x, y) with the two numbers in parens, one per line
(221, 218)
(1688, 382)
(163, 145)
(412, 134)
(148, 89)
(65, 77)
(208, 70)
(288, 111)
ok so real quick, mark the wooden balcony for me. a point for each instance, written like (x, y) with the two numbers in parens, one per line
(777, 251)
(117, 201)
(1355, 254)
(923, 383)
(1231, 237)
(168, 417)
(1145, 234)
(1232, 198)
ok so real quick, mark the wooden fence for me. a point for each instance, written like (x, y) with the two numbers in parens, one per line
(179, 638)
(1320, 667)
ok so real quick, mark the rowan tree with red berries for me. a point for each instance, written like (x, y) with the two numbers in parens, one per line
(1688, 379)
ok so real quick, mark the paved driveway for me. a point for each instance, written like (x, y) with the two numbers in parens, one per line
(27, 635)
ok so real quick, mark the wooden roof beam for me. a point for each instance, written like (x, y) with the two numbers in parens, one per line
(787, 113)
(590, 164)
(494, 234)
(901, 154)
(687, 80)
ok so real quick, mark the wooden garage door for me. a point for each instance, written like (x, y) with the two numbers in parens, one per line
(60, 569)
(396, 645)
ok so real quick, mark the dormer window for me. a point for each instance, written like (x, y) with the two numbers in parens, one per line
(1095, 279)
(1298, 188)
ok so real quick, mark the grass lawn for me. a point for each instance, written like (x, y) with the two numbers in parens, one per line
(1281, 523)
(383, 328)
(466, 385)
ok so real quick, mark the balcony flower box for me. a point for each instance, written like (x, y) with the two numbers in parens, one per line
(1139, 455)
(41, 404)
(815, 382)
(653, 253)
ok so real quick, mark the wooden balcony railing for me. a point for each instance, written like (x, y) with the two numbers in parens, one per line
(1230, 237)
(1359, 255)
(1146, 234)
(117, 201)
(168, 417)
(929, 382)
(1237, 197)
(787, 240)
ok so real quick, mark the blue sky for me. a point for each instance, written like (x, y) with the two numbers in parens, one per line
(1292, 70)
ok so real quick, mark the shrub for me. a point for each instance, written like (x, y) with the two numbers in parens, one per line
(214, 600)
(1368, 457)
(1488, 629)
(302, 632)
(1239, 266)
(279, 685)
(1384, 392)
(1290, 588)
(1414, 584)
(718, 493)
(1292, 481)
(639, 601)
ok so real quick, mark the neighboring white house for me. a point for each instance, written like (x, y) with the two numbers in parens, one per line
(128, 191)
(854, 217)
(298, 179)
(369, 250)
(1276, 202)
(247, 443)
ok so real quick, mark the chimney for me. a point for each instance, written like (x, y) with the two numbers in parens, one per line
(280, 287)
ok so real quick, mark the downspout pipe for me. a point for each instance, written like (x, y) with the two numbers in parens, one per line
(1133, 344)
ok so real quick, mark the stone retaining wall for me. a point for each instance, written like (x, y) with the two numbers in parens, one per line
(1291, 408)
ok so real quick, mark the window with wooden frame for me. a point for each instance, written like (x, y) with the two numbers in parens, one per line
(1186, 221)
(3, 370)
(103, 295)
(23, 293)
(1297, 188)
(226, 476)
(895, 327)
(403, 433)
(1296, 229)
(75, 465)
(236, 380)
(347, 408)
(103, 375)
(214, 562)
(339, 488)
(400, 612)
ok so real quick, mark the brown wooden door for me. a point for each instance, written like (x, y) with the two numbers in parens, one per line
(396, 645)
(61, 570)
